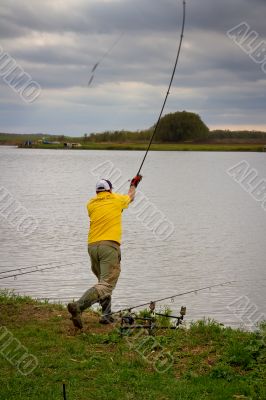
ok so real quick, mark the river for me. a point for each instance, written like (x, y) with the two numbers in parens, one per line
(214, 230)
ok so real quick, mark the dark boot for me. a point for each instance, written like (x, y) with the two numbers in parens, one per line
(106, 318)
(88, 299)
(76, 315)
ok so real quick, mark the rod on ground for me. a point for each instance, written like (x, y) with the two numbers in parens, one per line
(174, 296)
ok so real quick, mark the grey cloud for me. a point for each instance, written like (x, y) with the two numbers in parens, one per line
(8, 30)
(96, 17)
(223, 15)
(209, 61)
(92, 16)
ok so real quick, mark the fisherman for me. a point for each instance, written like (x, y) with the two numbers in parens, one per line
(105, 213)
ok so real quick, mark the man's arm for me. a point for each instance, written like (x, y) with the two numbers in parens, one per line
(131, 193)
(133, 184)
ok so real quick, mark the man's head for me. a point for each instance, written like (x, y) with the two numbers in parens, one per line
(104, 186)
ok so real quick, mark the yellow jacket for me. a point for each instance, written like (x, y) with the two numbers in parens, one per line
(105, 213)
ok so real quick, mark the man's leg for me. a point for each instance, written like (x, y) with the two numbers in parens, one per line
(109, 273)
(91, 295)
(106, 310)
(105, 261)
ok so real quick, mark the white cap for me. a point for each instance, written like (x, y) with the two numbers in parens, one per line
(103, 186)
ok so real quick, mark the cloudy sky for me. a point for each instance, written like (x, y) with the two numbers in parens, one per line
(58, 42)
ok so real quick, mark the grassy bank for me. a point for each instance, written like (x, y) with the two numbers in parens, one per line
(208, 361)
(162, 147)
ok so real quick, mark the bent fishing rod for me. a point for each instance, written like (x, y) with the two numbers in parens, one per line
(173, 296)
(169, 87)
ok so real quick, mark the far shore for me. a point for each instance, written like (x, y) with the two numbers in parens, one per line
(245, 147)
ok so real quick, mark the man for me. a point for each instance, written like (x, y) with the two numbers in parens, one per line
(105, 213)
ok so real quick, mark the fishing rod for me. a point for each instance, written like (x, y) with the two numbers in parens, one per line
(36, 270)
(169, 87)
(173, 296)
(31, 267)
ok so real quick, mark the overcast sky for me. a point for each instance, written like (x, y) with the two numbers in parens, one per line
(58, 42)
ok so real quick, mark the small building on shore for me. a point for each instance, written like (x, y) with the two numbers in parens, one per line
(45, 141)
(72, 145)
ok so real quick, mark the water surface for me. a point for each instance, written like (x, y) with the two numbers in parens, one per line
(219, 231)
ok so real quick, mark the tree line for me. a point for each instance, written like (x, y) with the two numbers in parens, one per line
(180, 126)
(173, 127)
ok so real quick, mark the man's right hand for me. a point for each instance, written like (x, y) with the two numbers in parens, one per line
(136, 180)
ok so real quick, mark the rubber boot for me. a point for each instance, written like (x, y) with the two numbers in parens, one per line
(106, 311)
(90, 297)
(75, 312)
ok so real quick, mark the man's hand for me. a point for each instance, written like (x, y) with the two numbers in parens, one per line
(136, 180)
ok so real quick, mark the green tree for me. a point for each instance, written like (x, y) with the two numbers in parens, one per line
(181, 126)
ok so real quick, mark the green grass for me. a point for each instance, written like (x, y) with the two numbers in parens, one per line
(209, 361)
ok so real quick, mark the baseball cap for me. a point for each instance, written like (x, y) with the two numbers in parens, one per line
(103, 185)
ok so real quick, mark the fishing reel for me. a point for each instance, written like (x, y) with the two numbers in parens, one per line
(130, 321)
(127, 320)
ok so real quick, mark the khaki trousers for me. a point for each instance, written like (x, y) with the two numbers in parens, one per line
(105, 264)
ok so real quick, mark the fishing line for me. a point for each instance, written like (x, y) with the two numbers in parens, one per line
(96, 65)
(169, 87)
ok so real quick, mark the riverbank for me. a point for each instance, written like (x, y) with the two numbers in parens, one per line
(252, 143)
(205, 361)
(160, 147)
